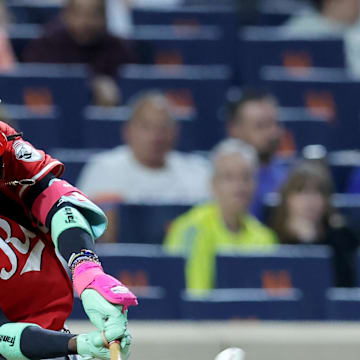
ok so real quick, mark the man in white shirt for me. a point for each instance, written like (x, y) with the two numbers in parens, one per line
(147, 170)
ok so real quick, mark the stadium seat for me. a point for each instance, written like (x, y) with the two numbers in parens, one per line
(342, 304)
(349, 206)
(40, 87)
(42, 130)
(305, 128)
(243, 304)
(307, 268)
(195, 16)
(20, 35)
(343, 166)
(272, 17)
(328, 93)
(74, 160)
(262, 46)
(146, 223)
(353, 183)
(33, 12)
(188, 45)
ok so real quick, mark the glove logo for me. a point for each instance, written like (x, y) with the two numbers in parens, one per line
(8, 339)
(26, 152)
(119, 289)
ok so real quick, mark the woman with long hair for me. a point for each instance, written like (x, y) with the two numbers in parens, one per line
(305, 215)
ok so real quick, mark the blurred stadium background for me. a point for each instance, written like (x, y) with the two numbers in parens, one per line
(275, 306)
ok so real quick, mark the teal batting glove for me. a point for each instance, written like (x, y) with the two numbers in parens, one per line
(107, 317)
(92, 346)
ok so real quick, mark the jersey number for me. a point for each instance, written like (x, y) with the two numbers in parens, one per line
(33, 262)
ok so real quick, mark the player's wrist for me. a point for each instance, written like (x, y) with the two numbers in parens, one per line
(85, 255)
(72, 345)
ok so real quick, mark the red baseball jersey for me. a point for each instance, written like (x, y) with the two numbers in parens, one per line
(35, 286)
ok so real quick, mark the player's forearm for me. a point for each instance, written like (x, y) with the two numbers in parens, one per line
(38, 343)
(70, 230)
(30, 341)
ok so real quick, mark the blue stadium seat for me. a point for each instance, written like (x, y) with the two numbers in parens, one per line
(329, 93)
(186, 16)
(20, 35)
(308, 268)
(306, 128)
(262, 46)
(199, 91)
(353, 183)
(272, 18)
(184, 44)
(74, 160)
(146, 223)
(349, 206)
(224, 17)
(33, 12)
(42, 130)
(343, 304)
(142, 269)
(244, 304)
(44, 85)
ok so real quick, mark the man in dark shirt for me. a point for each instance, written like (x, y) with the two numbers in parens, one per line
(253, 118)
(79, 36)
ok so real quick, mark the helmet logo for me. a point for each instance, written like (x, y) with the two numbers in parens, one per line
(25, 152)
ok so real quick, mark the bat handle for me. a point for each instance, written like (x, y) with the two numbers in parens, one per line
(115, 353)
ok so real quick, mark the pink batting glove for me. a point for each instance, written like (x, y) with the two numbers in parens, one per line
(90, 275)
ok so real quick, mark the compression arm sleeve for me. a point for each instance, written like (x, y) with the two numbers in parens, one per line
(38, 343)
(70, 231)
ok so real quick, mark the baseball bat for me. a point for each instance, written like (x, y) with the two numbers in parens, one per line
(115, 350)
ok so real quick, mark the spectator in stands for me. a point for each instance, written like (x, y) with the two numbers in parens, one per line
(7, 58)
(305, 216)
(79, 35)
(330, 18)
(225, 222)
(146, 169)
(253, 118)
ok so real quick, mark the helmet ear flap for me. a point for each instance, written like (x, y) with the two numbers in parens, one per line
(3, 143)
